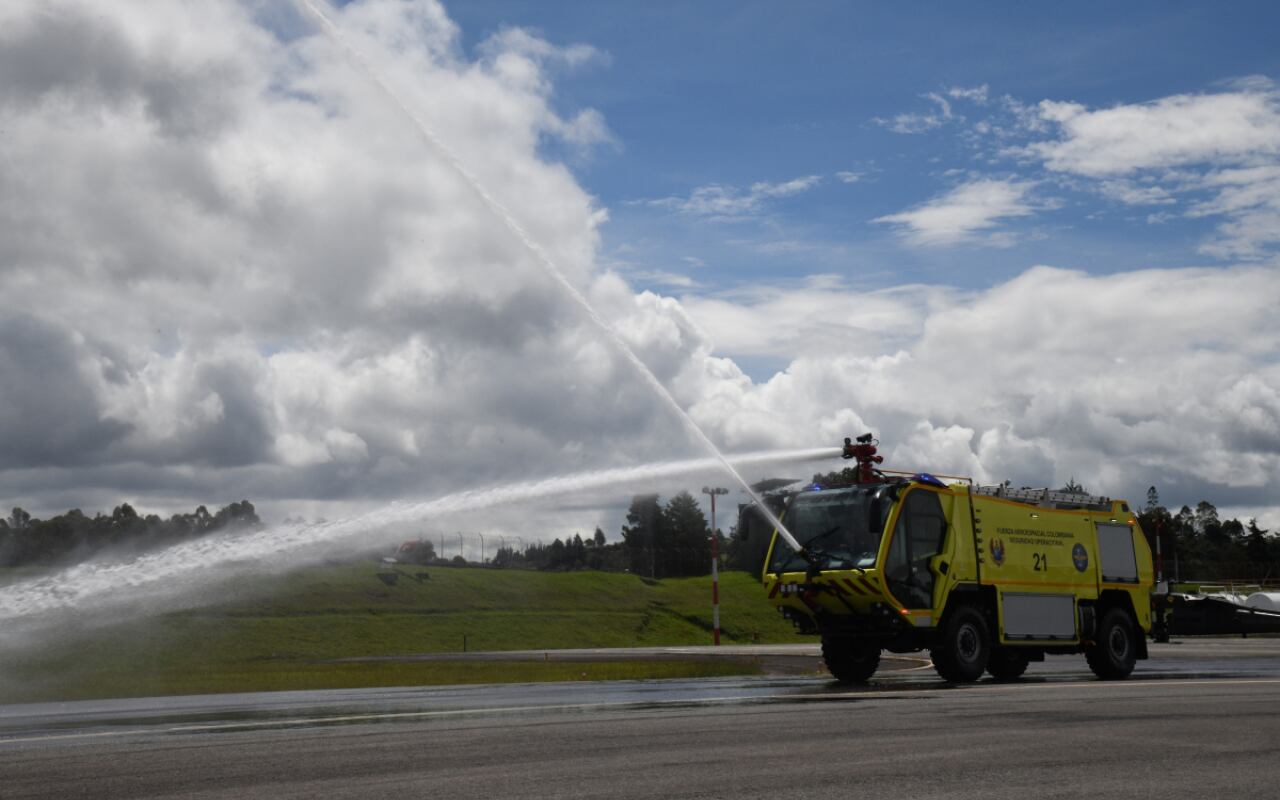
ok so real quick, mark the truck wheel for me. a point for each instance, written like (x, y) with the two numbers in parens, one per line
(1007, 664)
(850, 660)
(965, 648)
(1113, 655)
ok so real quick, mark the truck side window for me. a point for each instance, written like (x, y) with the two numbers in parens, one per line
(927, 524)
(917, 537)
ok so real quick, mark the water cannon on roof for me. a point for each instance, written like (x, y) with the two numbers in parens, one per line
(865, 453)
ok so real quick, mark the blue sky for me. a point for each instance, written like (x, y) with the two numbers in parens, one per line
(735, 94)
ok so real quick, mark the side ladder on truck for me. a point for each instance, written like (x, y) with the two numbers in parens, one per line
(1046, 498)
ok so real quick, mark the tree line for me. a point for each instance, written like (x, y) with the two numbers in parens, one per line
(75, 536)
(1197, 545)
(658, 541)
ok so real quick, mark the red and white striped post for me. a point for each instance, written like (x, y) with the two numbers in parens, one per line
(715, 564)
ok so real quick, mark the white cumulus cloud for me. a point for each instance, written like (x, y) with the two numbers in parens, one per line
(1172, 131)
(230, 268)
(1219, 151)
(1166, 377)
(965, 214)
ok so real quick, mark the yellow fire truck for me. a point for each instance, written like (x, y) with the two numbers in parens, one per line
(985, 578)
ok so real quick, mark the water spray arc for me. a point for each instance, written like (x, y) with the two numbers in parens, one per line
(193, 565)
(544, 260)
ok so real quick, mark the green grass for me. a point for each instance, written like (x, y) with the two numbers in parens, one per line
(285, 633)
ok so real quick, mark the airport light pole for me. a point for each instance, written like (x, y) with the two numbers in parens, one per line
(715, 564)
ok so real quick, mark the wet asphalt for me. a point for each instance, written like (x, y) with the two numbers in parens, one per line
(1200, 717)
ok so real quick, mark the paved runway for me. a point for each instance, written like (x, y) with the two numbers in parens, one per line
(1200, 718)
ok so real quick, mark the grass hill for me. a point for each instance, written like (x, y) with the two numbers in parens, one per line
(290, 632)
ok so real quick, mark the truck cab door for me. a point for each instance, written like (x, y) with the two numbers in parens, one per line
(918, 536)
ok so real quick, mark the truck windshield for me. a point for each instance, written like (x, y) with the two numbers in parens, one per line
(841, 526)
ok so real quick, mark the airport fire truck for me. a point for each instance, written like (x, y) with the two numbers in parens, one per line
(986, 578)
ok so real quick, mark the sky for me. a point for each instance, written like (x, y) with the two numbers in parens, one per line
(1029, 242)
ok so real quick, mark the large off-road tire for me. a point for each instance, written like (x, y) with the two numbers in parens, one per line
(965, 648)
(1007, 663)
(1116, 649)
(850, 660)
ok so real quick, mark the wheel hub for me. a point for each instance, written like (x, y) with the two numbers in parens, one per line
(1119, 643)
(967, 643)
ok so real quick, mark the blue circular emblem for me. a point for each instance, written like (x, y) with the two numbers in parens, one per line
(1080, 557)
(997, 551)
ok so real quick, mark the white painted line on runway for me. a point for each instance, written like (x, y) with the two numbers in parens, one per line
(621, 704)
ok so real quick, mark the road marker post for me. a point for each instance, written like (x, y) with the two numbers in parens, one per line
(715, 565)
